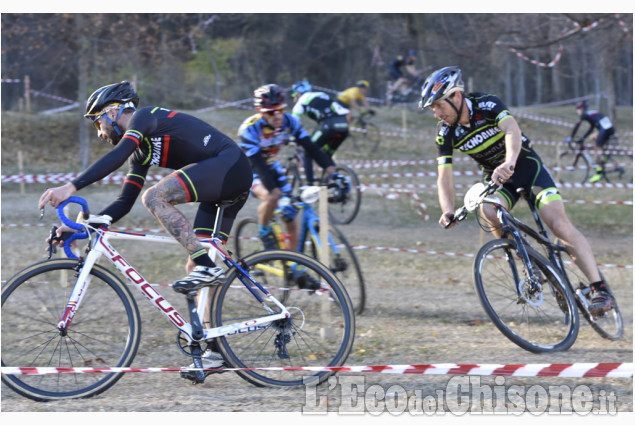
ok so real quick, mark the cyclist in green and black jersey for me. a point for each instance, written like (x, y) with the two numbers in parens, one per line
(331, 117)
(481, 126)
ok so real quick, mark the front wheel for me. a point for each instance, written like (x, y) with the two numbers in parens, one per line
(105, 331)
(537, 314)
(345, 198)
(319, 331)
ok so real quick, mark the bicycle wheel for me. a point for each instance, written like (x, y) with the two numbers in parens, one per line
(294, 178)
(246, 238)
(608, 324)
(105, 331)
(319, 332)
(538, 321)
(343, 263)
(574, 168)
(373, 137)
(344, 205)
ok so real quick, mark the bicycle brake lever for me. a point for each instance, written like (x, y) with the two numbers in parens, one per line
(52, 236)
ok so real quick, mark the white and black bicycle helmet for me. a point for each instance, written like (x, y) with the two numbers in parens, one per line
(440, 85)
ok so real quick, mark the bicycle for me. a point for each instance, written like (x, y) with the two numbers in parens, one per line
(364, 133)
(410, 96)
(576, 163)
(345, 194)
(532, 299)
(70, 312)
(342, 259)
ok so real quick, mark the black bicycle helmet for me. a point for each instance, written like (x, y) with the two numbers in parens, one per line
(269, 97)
(114, 93)
(440, 85)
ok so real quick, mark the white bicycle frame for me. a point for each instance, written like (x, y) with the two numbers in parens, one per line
(101, 247)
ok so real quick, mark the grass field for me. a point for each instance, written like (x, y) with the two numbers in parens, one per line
(421, 304)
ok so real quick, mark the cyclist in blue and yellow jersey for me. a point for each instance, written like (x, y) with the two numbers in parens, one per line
(602, 129)
(209, 166)
(481, 126)
(354, 98)
(261, 136)
(332, 124)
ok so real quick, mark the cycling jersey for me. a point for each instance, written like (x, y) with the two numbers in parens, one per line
(261, 143)
(209, 164)
(332, 126)
(347, 96)
(597, 121)
(484, 141)
(317, 106)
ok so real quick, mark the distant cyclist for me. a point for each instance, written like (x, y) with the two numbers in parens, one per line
(602, 129)
(354, 98)
(261, 136)
(401, 68)
(332, 128)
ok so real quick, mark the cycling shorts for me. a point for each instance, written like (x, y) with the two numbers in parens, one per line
(280, 175)
(330, 133)
(603, 136)
(223, 177)
(530, 173)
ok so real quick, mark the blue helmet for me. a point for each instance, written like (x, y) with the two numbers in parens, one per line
(440, 85)
(301, 87)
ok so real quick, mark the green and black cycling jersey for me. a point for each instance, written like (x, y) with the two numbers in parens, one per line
(209, 164)
(483, 139)
(318, 106)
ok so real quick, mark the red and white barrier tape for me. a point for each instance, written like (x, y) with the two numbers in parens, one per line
(355, 247)
(562, 370)
(10, 80)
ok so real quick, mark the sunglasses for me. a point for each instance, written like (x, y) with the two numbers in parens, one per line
(102, 113)
(273, 112)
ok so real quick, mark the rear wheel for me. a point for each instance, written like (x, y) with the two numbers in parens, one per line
(538, 316)
(319, 331)
(344, 202)
(343, 263)
(608, 324)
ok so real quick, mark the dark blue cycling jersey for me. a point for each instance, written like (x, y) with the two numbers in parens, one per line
(209, 164)
(261, 143)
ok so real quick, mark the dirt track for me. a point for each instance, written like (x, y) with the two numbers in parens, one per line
(421, 310)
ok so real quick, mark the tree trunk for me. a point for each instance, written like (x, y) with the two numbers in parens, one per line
(82, 82)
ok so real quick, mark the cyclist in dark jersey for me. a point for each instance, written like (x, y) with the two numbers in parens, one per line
(604, 128)
(261, 137)
(210, 167)
(481, 126)
(332, 123)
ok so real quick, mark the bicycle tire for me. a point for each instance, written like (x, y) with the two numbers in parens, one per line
(320, 331)
(574, 168)
(294, 178)
(373, 137)
(608, 325)
(340, 265)
(105, 331)
(246, 238)
(541, 322)
(344, 209)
